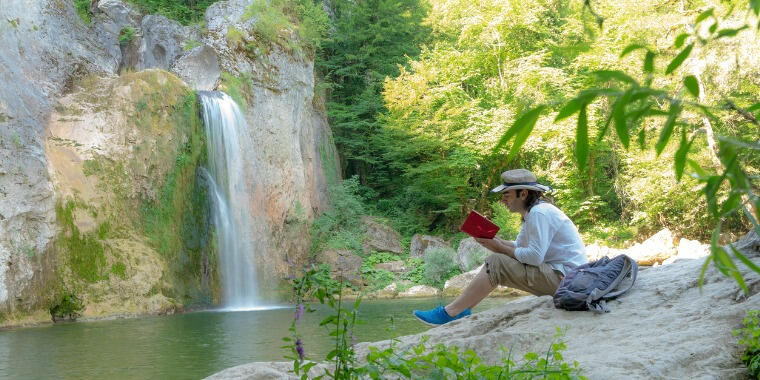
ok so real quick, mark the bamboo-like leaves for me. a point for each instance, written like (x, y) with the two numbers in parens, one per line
(692, 85)
(520, 130)
(620, 119)
(631, 48)
(581, 139)
(607, 75)
(667, 129)
(704, 15)
(678, 60)
(729, 32)
(681, 154)
(680, 40)
(649, 62)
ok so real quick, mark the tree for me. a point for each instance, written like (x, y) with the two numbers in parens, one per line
(632, 104)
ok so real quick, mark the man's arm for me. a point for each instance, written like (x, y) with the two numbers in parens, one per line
(498, 245)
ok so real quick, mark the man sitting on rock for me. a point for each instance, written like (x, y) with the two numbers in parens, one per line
(547, 247)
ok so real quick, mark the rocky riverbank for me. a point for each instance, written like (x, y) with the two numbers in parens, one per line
(666, 327)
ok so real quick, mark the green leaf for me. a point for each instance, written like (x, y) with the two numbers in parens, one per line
(692, 85)
(619, 116)
(722, 257)
(525, 122)
(573, 106)
(649, 62)
(755, 106)
(680, 157)
(755, 5)
(696, 167)
(713, 28)
(680, 40)
(704, 15)
(678, 60)
(581, 139)
(642, 136)
(703, 271)
(731, 204)
(730, 32)
(744, 259)
(607, 75)
(631, 48)
(667, 129)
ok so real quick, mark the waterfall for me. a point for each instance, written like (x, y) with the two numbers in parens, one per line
(225, 131)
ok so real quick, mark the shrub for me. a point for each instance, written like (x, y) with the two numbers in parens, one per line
(749, 337)
(70, 307)
(440, 265)
(126, 35)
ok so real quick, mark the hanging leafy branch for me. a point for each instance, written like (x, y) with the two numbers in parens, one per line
(633, 103)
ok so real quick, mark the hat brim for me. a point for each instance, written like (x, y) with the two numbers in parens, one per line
(537, 187)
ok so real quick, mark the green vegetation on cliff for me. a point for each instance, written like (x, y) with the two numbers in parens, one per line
(150, 192)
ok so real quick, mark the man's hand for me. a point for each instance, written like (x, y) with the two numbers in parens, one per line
(498, 245)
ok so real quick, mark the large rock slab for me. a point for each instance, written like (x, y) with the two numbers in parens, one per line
(162, 42)
(419, 291)
(199, 68)
(345, 264)
(420, 244)
(470, 254)
(379, 237)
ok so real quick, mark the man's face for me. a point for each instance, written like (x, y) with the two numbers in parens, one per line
(514, 200)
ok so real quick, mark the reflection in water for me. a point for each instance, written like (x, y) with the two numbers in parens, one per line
(187, 346)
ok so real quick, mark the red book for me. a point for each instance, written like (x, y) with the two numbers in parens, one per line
(478, 226)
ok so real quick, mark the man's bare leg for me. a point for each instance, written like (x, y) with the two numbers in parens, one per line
(475, 291)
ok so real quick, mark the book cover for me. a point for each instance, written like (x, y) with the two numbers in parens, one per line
(479, 226)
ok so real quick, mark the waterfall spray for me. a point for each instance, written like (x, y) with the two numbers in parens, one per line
(225, 128)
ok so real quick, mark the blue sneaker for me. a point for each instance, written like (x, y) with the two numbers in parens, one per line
(438, 316)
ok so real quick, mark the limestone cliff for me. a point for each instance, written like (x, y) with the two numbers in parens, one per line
(99, 142)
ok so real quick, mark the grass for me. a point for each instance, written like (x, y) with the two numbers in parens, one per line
(86, 252)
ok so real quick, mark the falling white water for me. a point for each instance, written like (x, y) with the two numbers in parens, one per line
(225, 130)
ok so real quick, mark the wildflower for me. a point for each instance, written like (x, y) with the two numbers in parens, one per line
(299, 348)
(298, 313)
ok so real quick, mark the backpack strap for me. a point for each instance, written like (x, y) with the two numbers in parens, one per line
(631, 267)
(596, 300)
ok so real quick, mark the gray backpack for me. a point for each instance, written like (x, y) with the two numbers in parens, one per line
(589, 286)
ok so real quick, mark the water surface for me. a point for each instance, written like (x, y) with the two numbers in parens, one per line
(188, 346)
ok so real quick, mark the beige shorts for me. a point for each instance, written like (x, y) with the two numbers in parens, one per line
(539, 280)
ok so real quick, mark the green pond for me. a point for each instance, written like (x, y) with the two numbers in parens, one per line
(190, 345)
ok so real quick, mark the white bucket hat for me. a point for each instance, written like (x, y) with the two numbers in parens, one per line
(519, 179)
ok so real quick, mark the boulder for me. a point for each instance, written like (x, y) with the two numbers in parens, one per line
(379, 237)
(655, 250)
(162, 42)
(470, 254)
(267, 371)
(392, 266)
(110, 17)
(345, 264)
(419, 291)
(199, 68)
(422, 243)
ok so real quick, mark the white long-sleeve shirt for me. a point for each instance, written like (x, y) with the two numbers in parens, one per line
(548, 236)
